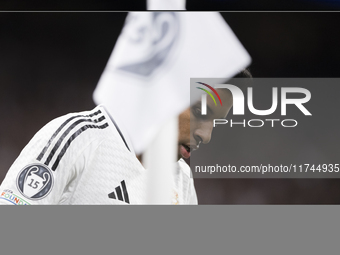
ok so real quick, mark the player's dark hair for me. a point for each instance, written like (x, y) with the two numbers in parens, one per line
(242, 80)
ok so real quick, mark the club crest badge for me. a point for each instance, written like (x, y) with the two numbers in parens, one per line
(35, 181)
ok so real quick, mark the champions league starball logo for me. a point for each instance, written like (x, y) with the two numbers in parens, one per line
(35, 181)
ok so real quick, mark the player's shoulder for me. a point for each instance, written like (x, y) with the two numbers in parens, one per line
(96, 118)
(71, 132)
(96, 124)
(94, 115)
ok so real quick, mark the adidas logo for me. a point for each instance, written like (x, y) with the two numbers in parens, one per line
(118, 194)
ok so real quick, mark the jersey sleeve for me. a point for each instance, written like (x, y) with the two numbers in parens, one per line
(30, 179)
(48, 168)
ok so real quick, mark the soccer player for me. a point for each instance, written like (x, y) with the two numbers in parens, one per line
(84, 158)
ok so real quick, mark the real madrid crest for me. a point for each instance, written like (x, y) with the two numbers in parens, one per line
(35, 181)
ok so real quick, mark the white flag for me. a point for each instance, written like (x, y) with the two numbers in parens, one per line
(166, 4)
(147, 78)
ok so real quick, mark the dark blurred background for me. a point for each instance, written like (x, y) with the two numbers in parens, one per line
(50, 64)
(192, 5)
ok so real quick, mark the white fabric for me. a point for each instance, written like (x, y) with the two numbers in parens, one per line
(159, 159)
(151, 65)
(93, 166)
(166, 4)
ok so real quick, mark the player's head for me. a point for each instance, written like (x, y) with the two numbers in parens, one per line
(195, 128)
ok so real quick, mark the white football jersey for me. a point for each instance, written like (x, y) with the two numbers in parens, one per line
(83, 158)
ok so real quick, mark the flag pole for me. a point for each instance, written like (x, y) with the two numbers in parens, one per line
(159, 160)
(153, 5)
(160, 157)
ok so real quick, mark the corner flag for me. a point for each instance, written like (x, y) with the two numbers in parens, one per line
(148, 73)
